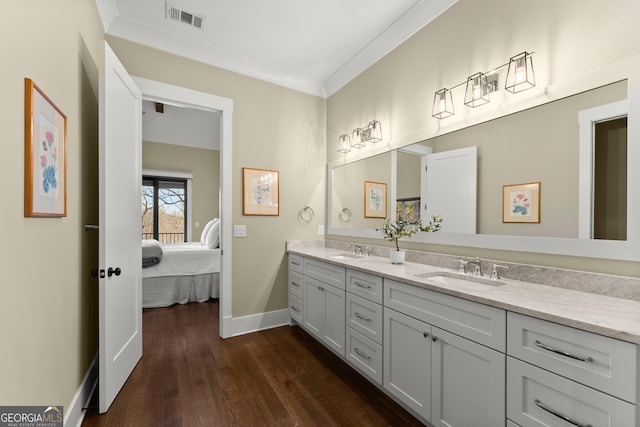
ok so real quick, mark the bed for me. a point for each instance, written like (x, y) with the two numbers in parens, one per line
(183, 272)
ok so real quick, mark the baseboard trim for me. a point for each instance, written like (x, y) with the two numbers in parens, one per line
(74, 414)
(259, 322)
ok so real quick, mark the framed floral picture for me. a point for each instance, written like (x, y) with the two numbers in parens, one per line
(521, 202)
(375, 199)
(45, 155)
(261, 192)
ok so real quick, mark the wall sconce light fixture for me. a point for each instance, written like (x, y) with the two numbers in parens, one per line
(477, 92)
(520, 76)
(442, 104)
(359, 137)
(344, 143)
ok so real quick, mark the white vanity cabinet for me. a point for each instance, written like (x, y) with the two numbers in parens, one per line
(295, 287)
(324, 303)
(444, 356)
(559, 376)
(364, 323)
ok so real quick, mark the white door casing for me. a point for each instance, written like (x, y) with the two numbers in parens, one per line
(163, 92)
(120, 269)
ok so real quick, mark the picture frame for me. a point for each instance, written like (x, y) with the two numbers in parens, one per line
(261, 192)
(408, 209)
(521, 203)
(375, 199)
(45, 155)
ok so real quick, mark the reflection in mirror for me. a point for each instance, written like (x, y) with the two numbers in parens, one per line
(539, 144)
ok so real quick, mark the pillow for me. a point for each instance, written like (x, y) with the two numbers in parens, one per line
(205, 230)
(213, 237)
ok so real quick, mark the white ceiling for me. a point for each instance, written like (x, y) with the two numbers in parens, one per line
(311, 46)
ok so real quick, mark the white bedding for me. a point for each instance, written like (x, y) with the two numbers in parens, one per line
(185, 259)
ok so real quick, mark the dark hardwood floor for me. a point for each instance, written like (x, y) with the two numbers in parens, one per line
(189, 376)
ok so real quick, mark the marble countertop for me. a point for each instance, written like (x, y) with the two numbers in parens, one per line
(605, 315)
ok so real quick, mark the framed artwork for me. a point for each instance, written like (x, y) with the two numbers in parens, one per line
(521, 202)
(408, 209)
(375, 199)
(261, 192)
(45, 155)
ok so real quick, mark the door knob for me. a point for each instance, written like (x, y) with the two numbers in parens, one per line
(111, 271)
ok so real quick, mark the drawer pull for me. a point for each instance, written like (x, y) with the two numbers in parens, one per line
(295, 263)
(553, 412)
(295, 284)
(362, 285)
(563, 353)
(361, 317)
(294, 308)
(361, 354)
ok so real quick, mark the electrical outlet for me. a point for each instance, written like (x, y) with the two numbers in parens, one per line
(239, 231)
(321, 230)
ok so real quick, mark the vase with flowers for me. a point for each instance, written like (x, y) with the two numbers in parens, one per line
(392, 231)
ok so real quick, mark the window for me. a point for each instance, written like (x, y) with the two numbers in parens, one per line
(164, 209)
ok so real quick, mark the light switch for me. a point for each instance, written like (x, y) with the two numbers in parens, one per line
(239, 231)
(321, 230)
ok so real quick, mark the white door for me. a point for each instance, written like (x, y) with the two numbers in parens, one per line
(120, 292)
(453, 172)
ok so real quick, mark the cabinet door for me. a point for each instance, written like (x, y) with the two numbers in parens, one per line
(468, 387)
(333, 318)
(312, 310)
(407, 361)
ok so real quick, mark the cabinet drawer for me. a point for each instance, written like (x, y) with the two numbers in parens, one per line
(600, 362)
(365, 355)
(295, 283)
(365, 317)
(538, 398)
(295, 308)
(328, 273)
(480, 323)
(364, 284)
(295, 263)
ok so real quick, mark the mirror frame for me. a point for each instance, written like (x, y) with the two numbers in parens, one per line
(628, 250)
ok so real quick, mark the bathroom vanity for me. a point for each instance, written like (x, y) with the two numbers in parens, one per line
(459, 350)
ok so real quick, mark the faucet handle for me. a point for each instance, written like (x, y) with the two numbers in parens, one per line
(495, 274)
(462, 268)
(367, 251)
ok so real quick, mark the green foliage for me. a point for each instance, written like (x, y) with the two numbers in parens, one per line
(392, 231)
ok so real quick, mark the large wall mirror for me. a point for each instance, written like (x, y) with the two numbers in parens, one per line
(587, 193)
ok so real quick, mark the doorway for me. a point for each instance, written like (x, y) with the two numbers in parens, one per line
(174, 95)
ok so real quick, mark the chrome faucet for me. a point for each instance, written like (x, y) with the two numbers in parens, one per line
(478, 267)
(495, 274)
(357, 249)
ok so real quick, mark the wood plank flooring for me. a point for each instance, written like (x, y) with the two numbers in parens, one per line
(188, 376)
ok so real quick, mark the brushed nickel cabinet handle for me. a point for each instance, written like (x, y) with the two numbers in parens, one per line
(361, 354)
(361, 317)
(362, 285)
(555, 413)
(562, 353)
(295, 309)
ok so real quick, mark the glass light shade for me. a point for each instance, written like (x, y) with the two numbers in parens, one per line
(344, 143)
(477, 92)
(374, 131)
(442, 104)
(520, 75)
(358, 138)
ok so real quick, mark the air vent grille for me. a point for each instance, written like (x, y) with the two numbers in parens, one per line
(176, 14)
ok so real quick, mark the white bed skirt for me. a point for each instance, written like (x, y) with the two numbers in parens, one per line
(168, 290)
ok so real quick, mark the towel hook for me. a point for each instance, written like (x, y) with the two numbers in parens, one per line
(306, 214)
(345, 215)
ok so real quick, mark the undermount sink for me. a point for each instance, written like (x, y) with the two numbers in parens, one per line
(447, 278)
(345, 256)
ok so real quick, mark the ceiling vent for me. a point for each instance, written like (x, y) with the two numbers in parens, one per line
(179, 15)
